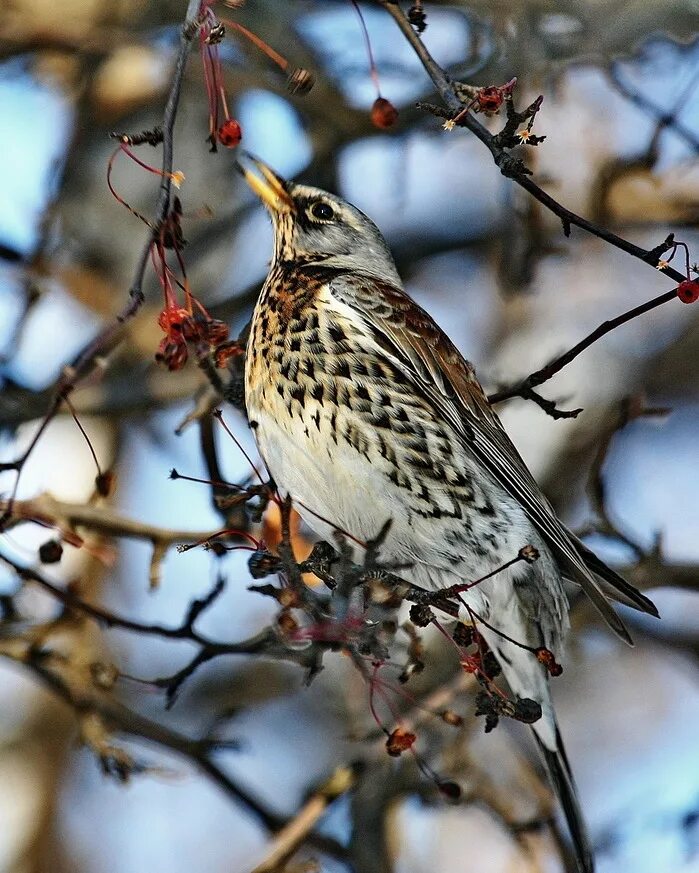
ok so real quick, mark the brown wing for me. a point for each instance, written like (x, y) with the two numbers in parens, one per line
(425, 353)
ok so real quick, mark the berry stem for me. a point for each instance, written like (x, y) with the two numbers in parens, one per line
(278, 59)
(372, 64)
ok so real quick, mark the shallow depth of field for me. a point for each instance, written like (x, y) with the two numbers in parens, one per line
(621, 119)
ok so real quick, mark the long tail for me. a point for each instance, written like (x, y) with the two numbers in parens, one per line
(528, 678)
(563, 784)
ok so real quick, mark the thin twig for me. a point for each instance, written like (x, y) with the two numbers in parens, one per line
(111, 335)
(511, 167)
(265, 642)
(550, 370)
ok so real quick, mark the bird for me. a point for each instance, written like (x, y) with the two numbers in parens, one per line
(363, 410)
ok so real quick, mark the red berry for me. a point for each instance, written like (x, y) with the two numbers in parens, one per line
(545, 657)
(383, 113)
(688, 291)
(229, 133)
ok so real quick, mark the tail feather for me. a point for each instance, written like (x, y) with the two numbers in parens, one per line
(528, 678)
(592, 588)
(613, 585)
(563, 784)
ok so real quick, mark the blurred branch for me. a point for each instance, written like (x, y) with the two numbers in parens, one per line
(620, 166)
(265, 642)
(631, 408)
(115, 716)
(19, 35)
(46, 510)
(665, 120)
(293, 834)
(525, 387)
(86, 687)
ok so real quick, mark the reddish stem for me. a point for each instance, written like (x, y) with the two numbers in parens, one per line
(372, 64)
(278, 59)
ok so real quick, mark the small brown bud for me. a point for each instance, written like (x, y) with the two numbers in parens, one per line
(104, 675)
(413, 668)
(382, 594)
(217, 547)
(399, 741)
(529, 554)
(286, 622)
(300, 81)
(288, 598)
(104, 483)
(450, 790)
(452, 718)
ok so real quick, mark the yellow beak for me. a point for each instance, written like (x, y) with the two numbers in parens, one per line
(271, 188)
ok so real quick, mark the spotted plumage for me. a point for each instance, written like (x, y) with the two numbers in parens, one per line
(364, 410)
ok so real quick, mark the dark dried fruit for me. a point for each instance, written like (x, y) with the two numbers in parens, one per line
(50, 552)
(464, 635)
(421, 615)
(261, 564)
(527, 710)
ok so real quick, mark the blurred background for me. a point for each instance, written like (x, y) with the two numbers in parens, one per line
(620, 81)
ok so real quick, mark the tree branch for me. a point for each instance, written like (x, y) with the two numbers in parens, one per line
(458, 113)
(524, 388)
(111, 335)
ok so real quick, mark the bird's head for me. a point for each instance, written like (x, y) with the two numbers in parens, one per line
(314, 226)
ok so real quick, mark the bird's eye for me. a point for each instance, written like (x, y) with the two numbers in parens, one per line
(322, 211)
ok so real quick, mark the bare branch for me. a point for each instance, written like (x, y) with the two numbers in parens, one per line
(457, 113)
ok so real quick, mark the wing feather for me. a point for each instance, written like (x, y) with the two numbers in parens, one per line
(428, 357)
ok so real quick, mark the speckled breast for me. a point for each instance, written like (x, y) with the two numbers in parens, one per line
(339, 424)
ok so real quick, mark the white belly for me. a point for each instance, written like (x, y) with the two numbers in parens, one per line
(336, 489)
(332, 486)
